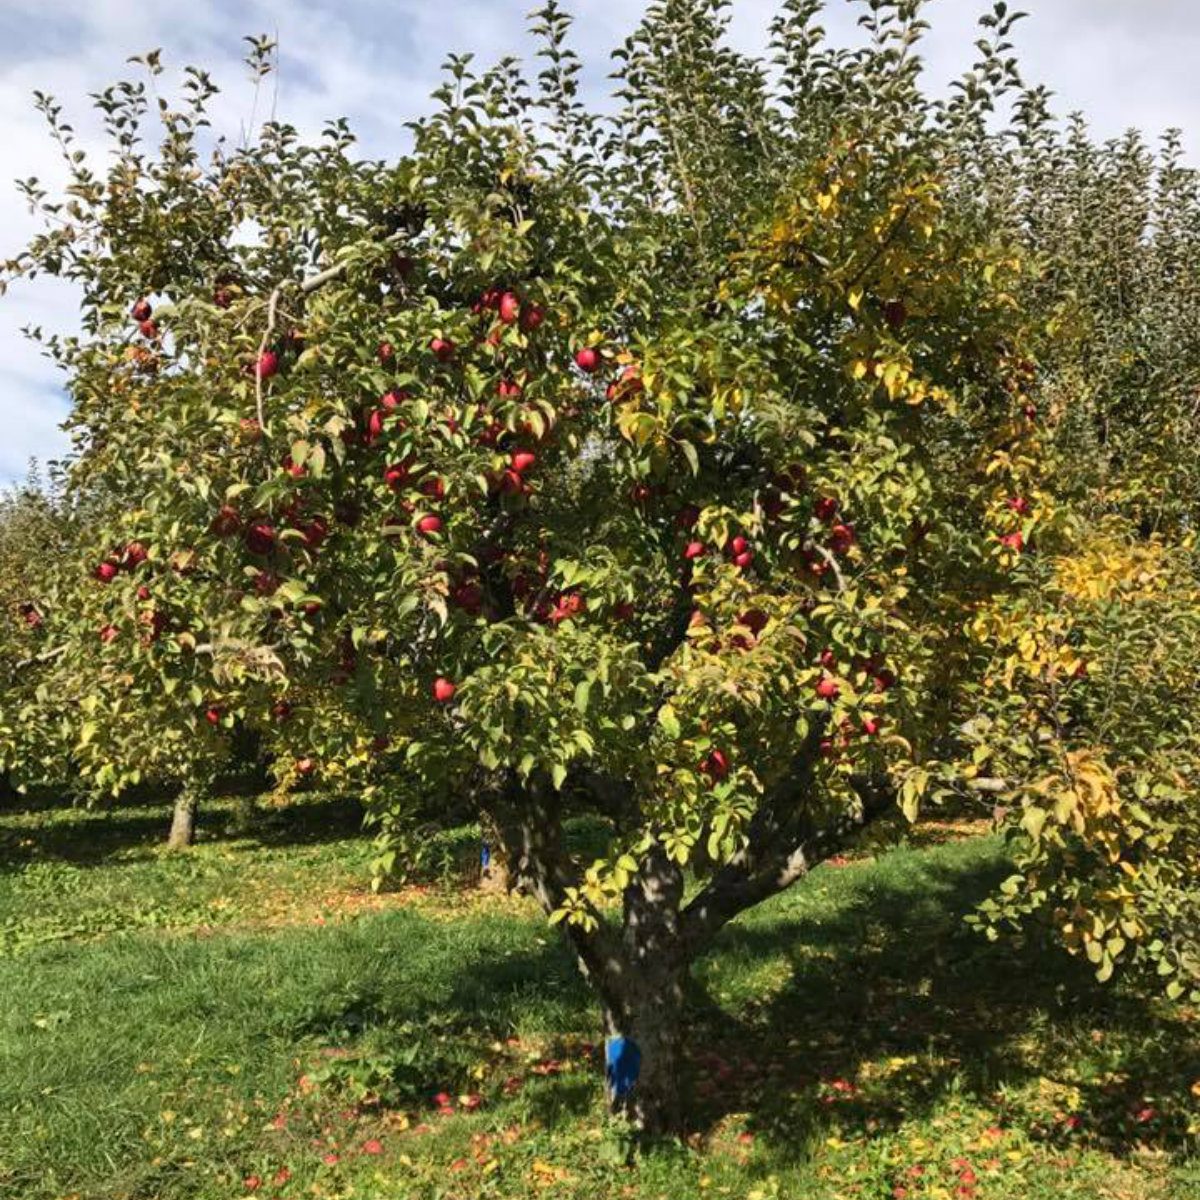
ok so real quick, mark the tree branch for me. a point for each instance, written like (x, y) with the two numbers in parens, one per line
(779, 853)
(529, 820)
(45, 657)
(305, 286)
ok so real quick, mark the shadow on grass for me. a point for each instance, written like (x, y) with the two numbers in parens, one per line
(93, 837)
(890, 974)
(896, 974)
(90, 837)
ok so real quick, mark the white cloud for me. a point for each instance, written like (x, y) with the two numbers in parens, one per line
(375, 61)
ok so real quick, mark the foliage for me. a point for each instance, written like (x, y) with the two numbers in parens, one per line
(38, 546)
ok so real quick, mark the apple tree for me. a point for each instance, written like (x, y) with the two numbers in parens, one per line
(668, 464)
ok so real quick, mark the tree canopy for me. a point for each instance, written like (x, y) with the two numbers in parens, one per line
(779, 448)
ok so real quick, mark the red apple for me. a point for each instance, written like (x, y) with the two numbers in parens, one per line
(141, 311)
(467, 595)
(738, 545)
(267, 365)
(1013, 541)
(871, 726)
(510, 482)
(135, 555)
(743, 560)
(884, 680)
(227, 522)
(315, 532)
(386, 354)
(434, 487)
(532, 315)
(106, 572)
(222, 297)
(443, 349)
(260, 538)
(1019, 505)
(508, 389)
(396, 475)
(827, 688)
(509, 308)
(148, 330)
(266, 583)
(715, 766)
(694, 550)
(825, 508)
(841, 538)
(522, 461)
(305, 766)
(213, 716)
(429, 523)
(588, 359)
(443, 690)
(108, 633)
(281, 710)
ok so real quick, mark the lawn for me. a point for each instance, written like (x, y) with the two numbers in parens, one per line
(249, 1019)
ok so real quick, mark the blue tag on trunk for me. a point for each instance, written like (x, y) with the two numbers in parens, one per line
(622, 1064)
(485, 855)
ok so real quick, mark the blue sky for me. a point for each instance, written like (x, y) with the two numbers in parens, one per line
(1122, 62)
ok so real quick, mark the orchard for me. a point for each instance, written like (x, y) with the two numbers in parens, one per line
(745, 463)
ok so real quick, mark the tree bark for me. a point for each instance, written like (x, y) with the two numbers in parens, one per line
(494, 873)
(183, 819)
(650, 996)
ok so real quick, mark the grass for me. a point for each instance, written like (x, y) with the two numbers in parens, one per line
(248, 1019)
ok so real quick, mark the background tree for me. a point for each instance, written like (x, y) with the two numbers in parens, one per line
(701, 467)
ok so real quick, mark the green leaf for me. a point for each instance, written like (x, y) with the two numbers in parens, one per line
(668, 719)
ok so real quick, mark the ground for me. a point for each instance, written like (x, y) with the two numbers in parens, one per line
(249, 1019)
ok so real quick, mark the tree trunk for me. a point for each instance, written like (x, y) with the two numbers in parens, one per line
(651, 1022)
(649, 1007)
(183, 820)
(495, 874)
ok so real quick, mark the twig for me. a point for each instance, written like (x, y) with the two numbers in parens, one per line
(47, 656)
(272, 311)
(841, 579)
(306, 286)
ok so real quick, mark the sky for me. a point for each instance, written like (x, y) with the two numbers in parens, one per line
(1122, 62)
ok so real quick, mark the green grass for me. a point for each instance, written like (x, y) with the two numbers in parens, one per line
(178, 1026)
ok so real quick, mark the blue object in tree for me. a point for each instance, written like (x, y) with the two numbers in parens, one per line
(622, 1065)
(485, 855)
